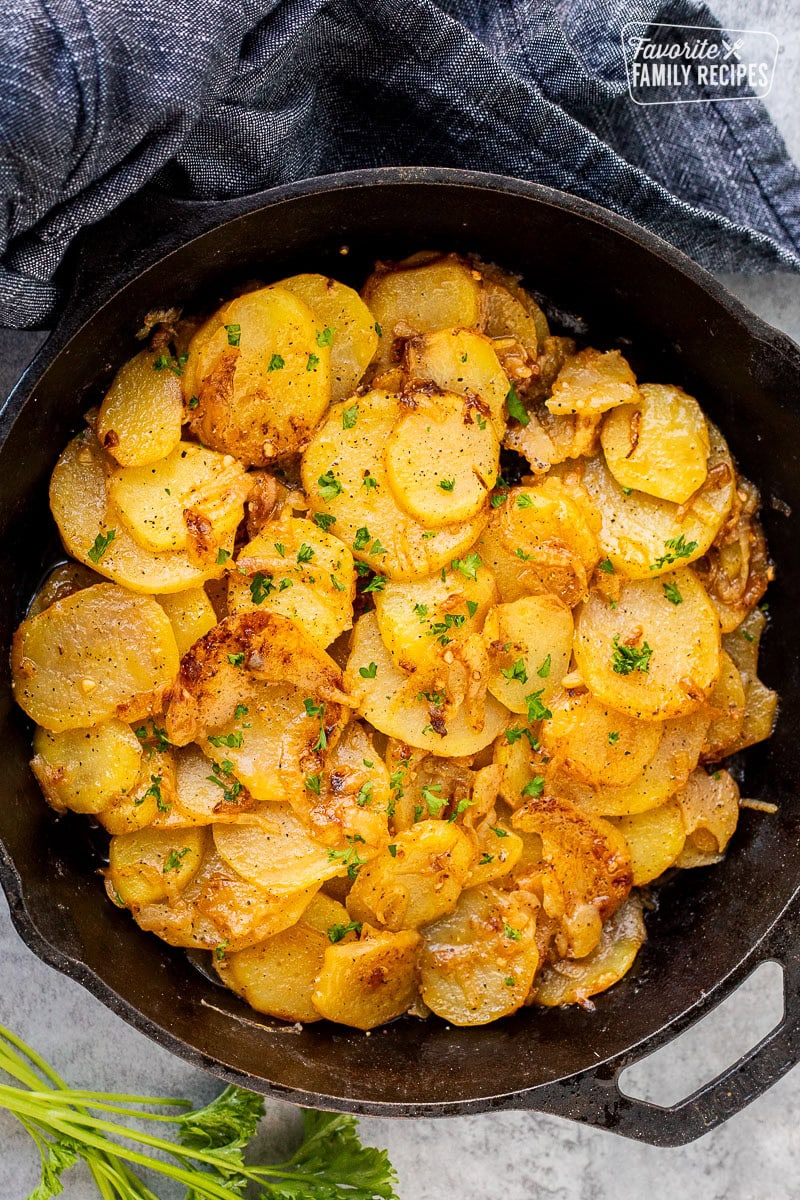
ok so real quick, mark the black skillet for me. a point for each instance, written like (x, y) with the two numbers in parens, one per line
(712, 927)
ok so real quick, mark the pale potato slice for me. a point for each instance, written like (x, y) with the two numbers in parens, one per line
(655, 839)
(548, 439)
(593, 382)
(416, 882)
(478, 963)
(295, 568)
(666, 773)
(141, 415)
(659, 444)
(643, 536)
(192, 500)
(530, 647)
(441, 458)
(727, 702)
(100, 653)
(646, 656)
(370, 982)
(541, 539)
(420, 621)
(345, 479)
(574, 981)
(464, 362)
(510, 318)
(97, 536)
(278, 854)
(589, 859)
(261, 379)
(63, 580)
(761, 703)
(499, 850)
(519, 763)
(83, 769)
(421, 297)
(278, 976)
(595, 743)
(154, 865)
(388, 700)
(709, 807)
(204, 795)
(344, 323)
(191, 615)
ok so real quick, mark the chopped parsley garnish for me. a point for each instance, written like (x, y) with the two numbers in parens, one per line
(676, 548)
(280, 548)
(441, 629)
(613, 737)
(520, 553)
(364, 794)
(460, 808)
(312, 708)
(368, 672)
(219, 950)
(627, 659)
(472, 607)
(524, 501)
(747, 635)
(498, 831)
(337, 932)
(421, 611)
(329, 486)
(369, 482)
(325, 336)
(193, 402)
(350, 857)
(536, 710)
(467, 566)
(337, 583)
(377, 548)
(377, 584)
(241, 711)
(260, 587)
(435, 698)
(534, 787)
(101, 544)
(276, 363)
(515, 673)
(236, 660)
(514, 734)
(673, 593)
(512, 934)
(378, 330)
(324, 520)
(500, 492)
(155, 791)
(168, 363)
(222, 556)
(174, 859)
(312, 362)
(349, 417)
(362, 538)
(447, 485)
(435, 803)
(544, 669)
(313, 783)
(485, 859)
(607, 566)
(232, 740)
(234, 333)
(516, 408)
(305, 553)
(392, 850)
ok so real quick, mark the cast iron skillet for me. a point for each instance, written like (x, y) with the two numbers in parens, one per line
(712, 927)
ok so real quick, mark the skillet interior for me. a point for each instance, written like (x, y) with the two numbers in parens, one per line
(676, 326)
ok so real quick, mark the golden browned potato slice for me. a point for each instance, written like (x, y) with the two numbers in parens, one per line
(260, 376)
(293, 567)
(667, 771)
(547, 439)
(643, 536)
(151, 799)
(421, 297)
(388, 700)
(727, 703)
(646, 655)
(659, 444)
(140, 418)
(478, 963)
(655, 839)
(503, 319)
(541, 539)
(761, 703)
(370, 982)
(344, 323)
(191, 500)
(98, 654)
(530, 647)
(499, 850)
(590, 860)
(417, 881)
(96, 534)
(442, 458)
(593, 382)
(354, 797)
(191, 615)
(154, 865)
(597, 744)
(573, 981)
(278, 854)
(518, 761)
(83, 769)
(278, 976)
(464, 362)
(347, 487)
(710, 809)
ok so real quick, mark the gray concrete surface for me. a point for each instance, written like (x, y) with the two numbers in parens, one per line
(514, 1156)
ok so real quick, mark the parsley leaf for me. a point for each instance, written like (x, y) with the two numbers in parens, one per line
(516, 672)
(325, 336)
(672, 592)
(516, 408)
(276, 363)
(101, 544)
(447, 485)
(676, 548)
(234, 333)
(337, 932)
(324, 520)
(627, 659)
(329, 486)
(349, 417)
(368, 672)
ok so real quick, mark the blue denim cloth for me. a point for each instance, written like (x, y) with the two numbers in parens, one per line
(224, 97)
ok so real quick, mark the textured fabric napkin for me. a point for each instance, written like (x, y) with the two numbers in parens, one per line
(225, 97)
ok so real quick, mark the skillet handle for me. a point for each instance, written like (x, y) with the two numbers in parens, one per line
(595, 1097)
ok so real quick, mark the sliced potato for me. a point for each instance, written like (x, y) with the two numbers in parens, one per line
(643, 536)
(659, 444)
(278, 976)
(96, 534)
(761, 703)
(83, 769)
(295, 568)
(530, 646)
(417, 882)
(277, 854)
(478, 963)
(499, 850)
(345, 479)
(464, 362)
(655, 839)
(421, 297)
(593, 382)
(441, 458)
(141, 415)
(154, 865)
(63, 581)
(204, 795)
(573, 981)
(261, 379)
(191, 500)
(100, 653)
(191, 615)
(519, 763)
(727, 702)
(344, 322)
(388, 699)
(370, 982)
(597, 744)
(354, 797)
(709, 806)
(645, 655)
(548, 439)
